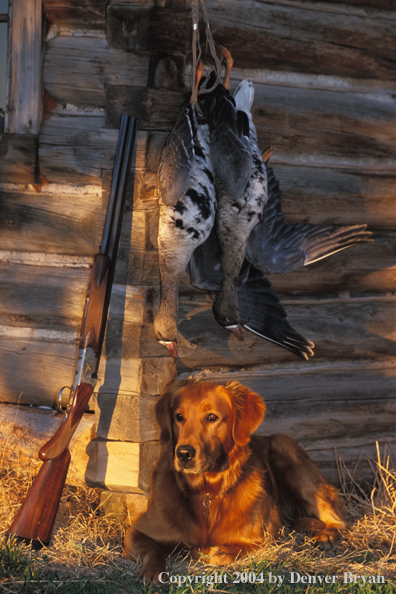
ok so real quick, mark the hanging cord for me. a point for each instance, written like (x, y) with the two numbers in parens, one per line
(196, 48)
(212, 48)
(195, 45)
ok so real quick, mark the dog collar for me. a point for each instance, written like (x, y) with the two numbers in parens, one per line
(207, 502)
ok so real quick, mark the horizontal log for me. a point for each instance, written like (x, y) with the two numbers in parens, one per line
(323, 195)
(364, 268)
(76, 149)
(77, 69)
(301, 390)
(70, 220)
(37, 365)
(42, 297)
(18, 158)
(346, 129)
(53, 299)
(302, 38)
(340, 328)
(24, 429)
(89, 16)
(320, 126)
(72, 14)
(344, 460)
(65, 220)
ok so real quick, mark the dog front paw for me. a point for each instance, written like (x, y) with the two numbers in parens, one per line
(327, 538)
(150, 575)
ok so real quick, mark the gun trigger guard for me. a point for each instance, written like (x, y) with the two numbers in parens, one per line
(59, 400)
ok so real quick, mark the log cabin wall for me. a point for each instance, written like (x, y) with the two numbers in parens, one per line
(325, 98)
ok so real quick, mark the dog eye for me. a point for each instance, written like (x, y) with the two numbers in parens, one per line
(179, 417)
(211, 418)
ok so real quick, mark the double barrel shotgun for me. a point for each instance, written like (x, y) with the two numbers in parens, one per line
(36, 516)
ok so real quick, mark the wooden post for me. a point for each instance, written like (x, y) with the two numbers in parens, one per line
(24, 101)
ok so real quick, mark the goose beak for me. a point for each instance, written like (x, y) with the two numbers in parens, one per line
(237, 330)
(171, 346)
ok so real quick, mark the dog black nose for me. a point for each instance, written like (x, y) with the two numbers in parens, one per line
(185, 453)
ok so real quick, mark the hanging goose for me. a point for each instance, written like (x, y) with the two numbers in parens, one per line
(187, 211)
(239, 210)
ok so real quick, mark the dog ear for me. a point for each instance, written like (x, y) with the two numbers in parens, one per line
(163, 411)
(248, 414)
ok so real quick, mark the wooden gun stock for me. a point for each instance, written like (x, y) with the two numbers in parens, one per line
(36, 516)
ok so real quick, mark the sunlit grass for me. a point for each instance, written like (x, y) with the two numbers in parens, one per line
(85, 554)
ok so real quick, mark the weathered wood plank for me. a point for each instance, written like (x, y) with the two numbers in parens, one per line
(76, 149)
(302, 38)
(70, 219)
(77, 69)
(42, 297)
(87, 16)
(341, 128)
(369, 4)
(358, 455)
(298, 391)
(24, 104)
(34, 369)
(54, 301)
(52, 298)
(66, 220)
(349, 328)
(324, 195)
(33, 372)
(314, 126)
(18, 158)
(72, 14)
(23, 430)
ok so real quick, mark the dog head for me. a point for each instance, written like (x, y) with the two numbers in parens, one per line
(204, 422)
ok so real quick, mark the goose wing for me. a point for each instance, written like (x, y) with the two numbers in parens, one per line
(261, 312)
(274, 246)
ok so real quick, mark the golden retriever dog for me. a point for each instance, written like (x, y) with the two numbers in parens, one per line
(218, 490)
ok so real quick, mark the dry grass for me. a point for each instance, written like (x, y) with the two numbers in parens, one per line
(86, 545)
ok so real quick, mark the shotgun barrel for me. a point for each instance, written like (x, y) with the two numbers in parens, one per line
(35, 518)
